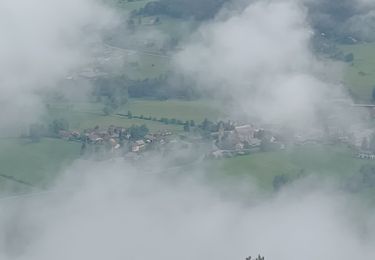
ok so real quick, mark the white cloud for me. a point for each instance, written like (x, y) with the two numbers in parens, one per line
(119, 212)
(41, 41)
(262, 58)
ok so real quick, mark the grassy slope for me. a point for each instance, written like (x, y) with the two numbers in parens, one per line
(36, 163)
(83, 115)
(184, 110)
(82, 120)
(146, 66)
(332, 161)
(129, 6)
(361, 75)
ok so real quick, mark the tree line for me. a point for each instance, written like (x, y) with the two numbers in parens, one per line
(196, 9)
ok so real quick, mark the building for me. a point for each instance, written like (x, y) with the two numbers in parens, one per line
(138, 146)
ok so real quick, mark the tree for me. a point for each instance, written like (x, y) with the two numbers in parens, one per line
(373, 94)
(36, 131)
(138, 132)
(57, 125)
(186, 126)
(349, 57)
(279, 181)
(107, 110)
(367, 173)
(258, 258)
(364, 144)
(371, 144)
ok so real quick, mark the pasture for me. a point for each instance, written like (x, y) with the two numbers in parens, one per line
(80, 120)
(196, 110)
(130, 5)
(81, 115)
(360, 75)
(36, 163)
(316, 160)
(142, 65)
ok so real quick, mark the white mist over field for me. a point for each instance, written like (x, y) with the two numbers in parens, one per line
(42, 41)
(261, 57)
(117, 212)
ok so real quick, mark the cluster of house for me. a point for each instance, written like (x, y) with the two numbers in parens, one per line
(116, 138)
(247, 138)
(241, 140)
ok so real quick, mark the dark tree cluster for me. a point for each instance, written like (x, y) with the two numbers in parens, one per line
(37, 131)
(197, 9)
(165, 120)
(162, 88)
(138, 132)
(113, 91)
(259, 257)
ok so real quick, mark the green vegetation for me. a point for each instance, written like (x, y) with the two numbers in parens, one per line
(81, 115)
(36, 163)
(196, 9)
(360, 76)
(81, 120)
(330, 161)
(142, 66)
(130, 5)
(196, 110)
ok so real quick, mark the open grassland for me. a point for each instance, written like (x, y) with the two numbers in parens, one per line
(129, 5)
(144, 65)
(360, 76)
(173, 27)
(321, 160)
(196, 110)
(35, 163)
(82, 120)
(81, 115)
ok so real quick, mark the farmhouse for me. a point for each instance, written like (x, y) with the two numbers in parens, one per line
(138, 146)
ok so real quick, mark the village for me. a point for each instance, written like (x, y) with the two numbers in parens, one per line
(225, 140)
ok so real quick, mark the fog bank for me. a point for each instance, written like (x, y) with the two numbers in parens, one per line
(261, 58)
(117, 211)
(42, 41)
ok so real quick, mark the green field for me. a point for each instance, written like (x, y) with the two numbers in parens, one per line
(322, 160)
(82, 120)
(142, 66)
(129, 5)
(36, 163)
(196, 110)
(81, 115)
(361, 74)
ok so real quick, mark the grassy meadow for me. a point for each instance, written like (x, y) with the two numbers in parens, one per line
(130, 5)
(142, 66)
(35, 163)
(196, 110)
(319, 160)
(81, 115)
(360, 75)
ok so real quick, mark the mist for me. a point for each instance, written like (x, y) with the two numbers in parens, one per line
(261, 60)
(112, 210)
(42, 42)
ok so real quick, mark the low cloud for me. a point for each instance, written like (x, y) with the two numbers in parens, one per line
(43, 41)
(261, 57)
(115, 211)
